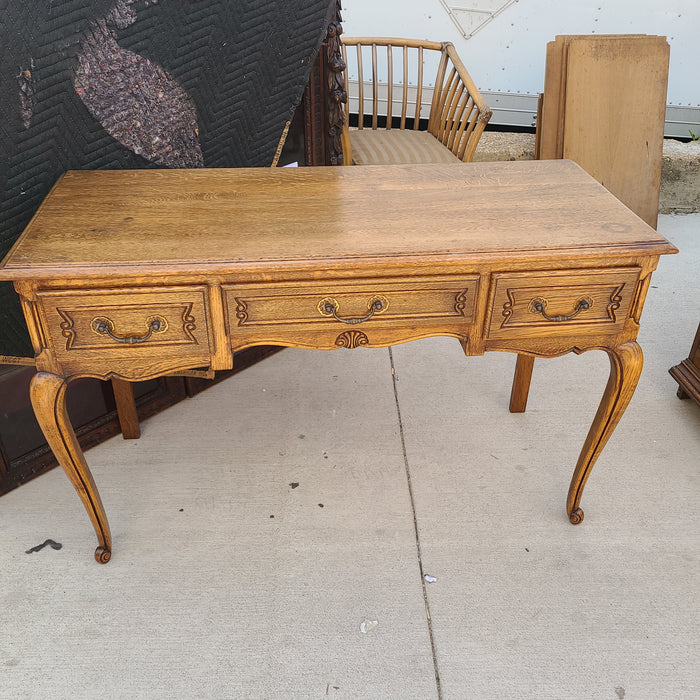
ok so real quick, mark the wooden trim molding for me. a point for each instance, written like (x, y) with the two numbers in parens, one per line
(336, 95)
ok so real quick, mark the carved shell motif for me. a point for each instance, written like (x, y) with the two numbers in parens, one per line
(351, 339)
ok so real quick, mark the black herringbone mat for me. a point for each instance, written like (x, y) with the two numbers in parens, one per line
(141, 84)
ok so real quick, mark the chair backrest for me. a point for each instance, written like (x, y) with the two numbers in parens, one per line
(389, 87)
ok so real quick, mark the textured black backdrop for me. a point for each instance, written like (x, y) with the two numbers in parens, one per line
(242, 65)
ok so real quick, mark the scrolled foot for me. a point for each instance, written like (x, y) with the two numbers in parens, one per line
(102, 555)
(576, 516)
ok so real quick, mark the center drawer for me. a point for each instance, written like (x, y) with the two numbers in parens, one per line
(401, 301)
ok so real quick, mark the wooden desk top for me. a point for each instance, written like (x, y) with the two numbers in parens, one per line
(139, 222)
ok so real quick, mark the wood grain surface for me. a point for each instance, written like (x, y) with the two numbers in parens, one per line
(604, 107)
(136, 222)
(615, 108)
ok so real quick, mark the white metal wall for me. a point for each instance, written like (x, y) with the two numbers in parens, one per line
(503, 42)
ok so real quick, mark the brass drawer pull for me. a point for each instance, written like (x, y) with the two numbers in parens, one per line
(105, 326)
(539, 305)
(329, 307)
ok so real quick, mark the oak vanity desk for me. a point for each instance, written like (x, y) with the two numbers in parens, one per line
(137, 274)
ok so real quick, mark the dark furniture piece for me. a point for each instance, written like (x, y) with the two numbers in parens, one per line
(687, 373)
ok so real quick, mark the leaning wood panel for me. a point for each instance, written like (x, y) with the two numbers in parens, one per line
(552, 108)
(614, 115)
(551, 115)
(538, 130)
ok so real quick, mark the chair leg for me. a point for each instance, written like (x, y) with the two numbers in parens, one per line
(521, 383)
(126, 409)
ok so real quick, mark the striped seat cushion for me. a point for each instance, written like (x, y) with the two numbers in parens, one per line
(394, 146)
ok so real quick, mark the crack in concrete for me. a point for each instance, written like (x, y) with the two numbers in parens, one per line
(433, 646)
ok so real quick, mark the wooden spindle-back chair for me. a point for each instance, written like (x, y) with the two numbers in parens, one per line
(410, 121)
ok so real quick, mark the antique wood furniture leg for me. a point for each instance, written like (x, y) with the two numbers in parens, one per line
(48, 395)
(126, 409)
(521, 383)
(687, 373)
(625, 367)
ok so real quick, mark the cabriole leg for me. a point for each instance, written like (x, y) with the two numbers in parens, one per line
(48, 396)
(625, 367)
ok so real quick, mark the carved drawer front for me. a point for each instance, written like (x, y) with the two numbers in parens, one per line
(566, 301)
(132, 323)
(341, 305)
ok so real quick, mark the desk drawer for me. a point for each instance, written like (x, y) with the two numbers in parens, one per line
(416, 301)
(133, 323)
(561, 301)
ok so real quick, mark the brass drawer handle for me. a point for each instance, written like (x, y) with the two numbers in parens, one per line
(105, 326)
(329, 307)
(539, 305)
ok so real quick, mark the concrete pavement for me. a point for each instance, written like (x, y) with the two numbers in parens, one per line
(258, 525)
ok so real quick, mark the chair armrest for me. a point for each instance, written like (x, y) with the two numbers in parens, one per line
(458, 114)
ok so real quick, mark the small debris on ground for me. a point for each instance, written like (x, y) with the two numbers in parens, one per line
(49, 543)
(367, 626)
(294, 484)
(320, 505)
(429, 578)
